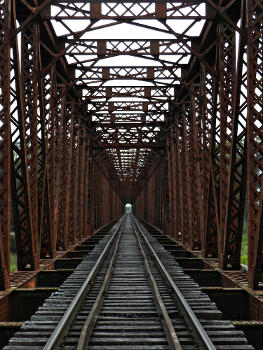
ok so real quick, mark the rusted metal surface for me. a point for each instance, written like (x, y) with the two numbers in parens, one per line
(5, 145)
(217, 142)
(85, 129)
(255, 142)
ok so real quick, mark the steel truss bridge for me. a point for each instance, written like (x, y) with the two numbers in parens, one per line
(158, 104)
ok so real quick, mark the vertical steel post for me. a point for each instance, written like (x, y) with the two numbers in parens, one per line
(5, 144)
(255, 141)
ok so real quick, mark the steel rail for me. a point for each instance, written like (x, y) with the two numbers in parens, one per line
(190, 318)
(165, 318)
(89, 324)
(64, 324)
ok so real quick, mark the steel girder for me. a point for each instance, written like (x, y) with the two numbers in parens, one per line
(45, 153)
(216, 143)
(5, 144)
(255, 141)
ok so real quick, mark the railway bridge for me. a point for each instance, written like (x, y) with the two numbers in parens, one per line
(150, 107)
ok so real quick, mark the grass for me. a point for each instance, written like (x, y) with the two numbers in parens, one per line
(13, 265)
(244, 246)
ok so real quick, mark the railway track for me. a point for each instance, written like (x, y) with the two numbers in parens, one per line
(128, 294)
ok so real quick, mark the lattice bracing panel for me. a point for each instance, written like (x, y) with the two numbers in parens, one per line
(5, 144)
(255, 141)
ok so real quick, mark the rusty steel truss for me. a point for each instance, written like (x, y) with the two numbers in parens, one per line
(154, 103)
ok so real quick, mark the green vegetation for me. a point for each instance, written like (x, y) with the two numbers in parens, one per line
(244, 245)
(13, 265)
